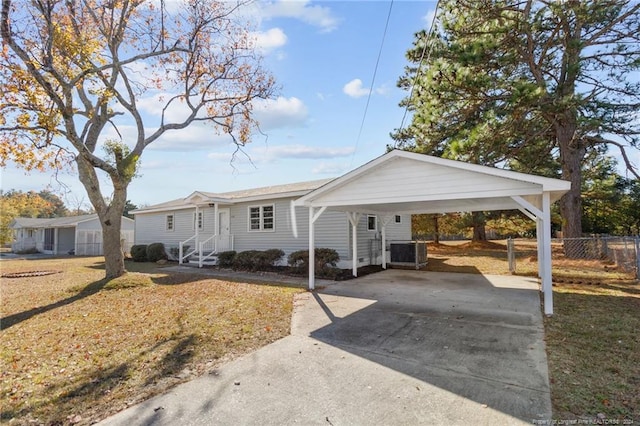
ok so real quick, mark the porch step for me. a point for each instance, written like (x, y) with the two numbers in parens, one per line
(210, 261)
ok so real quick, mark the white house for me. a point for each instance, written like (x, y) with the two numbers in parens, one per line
(80, 235)
(259, 219)
(354, 213)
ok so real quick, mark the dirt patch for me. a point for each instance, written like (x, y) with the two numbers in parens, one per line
(28, 274)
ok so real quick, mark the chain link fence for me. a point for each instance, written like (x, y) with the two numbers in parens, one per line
(623, 251)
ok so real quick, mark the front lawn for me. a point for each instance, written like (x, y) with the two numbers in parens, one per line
(76, 348)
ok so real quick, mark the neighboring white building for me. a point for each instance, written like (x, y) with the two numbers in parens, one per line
(261, 219)
(80, 235)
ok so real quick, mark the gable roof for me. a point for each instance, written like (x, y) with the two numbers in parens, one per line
(407, 182)
(54, 222)
(245, 195)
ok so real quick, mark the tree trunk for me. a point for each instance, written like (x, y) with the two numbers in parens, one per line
(478, 222)
(436, 229)
(572, 153)
(110, 215)
(571, 202)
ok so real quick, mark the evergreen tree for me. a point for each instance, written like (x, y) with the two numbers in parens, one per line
(534, 86)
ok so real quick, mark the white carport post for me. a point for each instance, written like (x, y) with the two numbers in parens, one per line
(547, 285)
(313, 216)
(198, 247)
(216, 227)
(543, 229)
(385, 222)
(540, 244)
(354, 218)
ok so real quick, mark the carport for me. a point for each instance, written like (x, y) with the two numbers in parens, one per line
(401, 182)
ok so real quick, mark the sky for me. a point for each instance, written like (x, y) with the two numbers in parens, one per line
(323, 56)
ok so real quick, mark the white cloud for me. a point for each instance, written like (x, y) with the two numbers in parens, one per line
(298, 151)
(330, 169)
(354, 88)
(280, 112)
(318, 16)
(263, 153)
(267, 41)
(197, 137)
(383, 90)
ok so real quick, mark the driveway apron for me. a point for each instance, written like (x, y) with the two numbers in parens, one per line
(397, 347)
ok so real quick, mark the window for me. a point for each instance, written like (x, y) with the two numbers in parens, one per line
(262, 218)
(199, 221)
(398, 218)
(372, 223)
(169, 222)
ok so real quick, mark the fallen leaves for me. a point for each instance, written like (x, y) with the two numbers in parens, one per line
(91, 352)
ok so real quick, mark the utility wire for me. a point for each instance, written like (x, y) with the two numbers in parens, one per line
(422, 57)
(373, 79)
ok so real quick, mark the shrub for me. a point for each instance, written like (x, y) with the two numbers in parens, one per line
(273, 256)
(298, 259)
(256, 260)
(248, 260)
(226, 258)
(31, 250)
(156, 252)
(325, 258)
(139, 252)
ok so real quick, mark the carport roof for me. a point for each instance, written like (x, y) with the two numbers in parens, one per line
(407, 182)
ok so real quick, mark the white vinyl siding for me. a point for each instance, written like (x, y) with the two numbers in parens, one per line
(394, 232)
(331, 230)
(151, 227)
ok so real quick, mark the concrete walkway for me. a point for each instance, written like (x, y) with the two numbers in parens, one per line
(394, 348)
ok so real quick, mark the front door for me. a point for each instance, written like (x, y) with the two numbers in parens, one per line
(49, 239)
(224, 234)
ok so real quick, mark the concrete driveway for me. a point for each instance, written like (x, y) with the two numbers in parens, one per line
(397, 347)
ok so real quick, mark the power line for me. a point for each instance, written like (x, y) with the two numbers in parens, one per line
(428, 55)
(373, 79)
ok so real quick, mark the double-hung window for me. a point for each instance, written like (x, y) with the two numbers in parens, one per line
(262, 218)
(169, 222)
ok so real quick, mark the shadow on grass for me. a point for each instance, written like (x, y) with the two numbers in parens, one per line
(11, 320)
(441, 265)
(174, 360)
(95, 387)
(180, 278)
